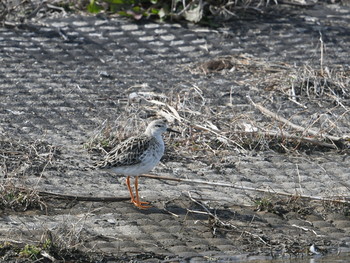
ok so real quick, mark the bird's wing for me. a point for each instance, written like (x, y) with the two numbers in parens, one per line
(126, 153)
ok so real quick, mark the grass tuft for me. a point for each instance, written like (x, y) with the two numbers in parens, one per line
(19, 199)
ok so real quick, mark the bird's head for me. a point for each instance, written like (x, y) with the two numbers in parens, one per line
(158, 127)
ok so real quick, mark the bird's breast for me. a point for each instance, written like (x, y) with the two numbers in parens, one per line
(154, 153)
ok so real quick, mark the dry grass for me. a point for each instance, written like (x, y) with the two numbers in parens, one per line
(63, 242)
(229, 223)
(19, 160)
(19, 198)
(297, 204)
(16, 13)
(214, 133)
(211, 131)
(50, 249)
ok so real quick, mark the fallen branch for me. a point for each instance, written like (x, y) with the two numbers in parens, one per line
(294, 126)
(84, 198)
(286, 135)
(337, 199)
(79, 198)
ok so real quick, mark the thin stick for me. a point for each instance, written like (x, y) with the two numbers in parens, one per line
(321, 48)
(219, 221)
(177, 116)
(286, 135)
(80, 198)
(200, 127)
(86, 198)
(292, 125)
(245, 188)
(299, 179)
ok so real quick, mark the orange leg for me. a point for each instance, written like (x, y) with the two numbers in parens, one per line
(136, 201)
(130, 190)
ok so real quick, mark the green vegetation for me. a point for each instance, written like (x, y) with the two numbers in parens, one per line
(19, 199)
(131, 8)
(48, 251)
(190, 10)
(136, 9)
(30, 251)
(197, 11)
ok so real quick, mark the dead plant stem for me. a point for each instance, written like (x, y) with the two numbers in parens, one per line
(292, 125)
(321, 49)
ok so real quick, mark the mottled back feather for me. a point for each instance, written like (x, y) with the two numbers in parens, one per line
(126, 153)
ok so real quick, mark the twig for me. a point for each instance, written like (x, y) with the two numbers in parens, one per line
(321, 49)
(8, 10)
(296, 3)
(171, 213)
(299, 179)
(174, 114)
(286, 135)
(200, 127)
(48, 256)
(307, 230)
(219, 222)
(85, 198)
(216, 218)
(37, 9)
(56, 8)
(245, 188)
(292, 125)
(292, 97)
(80, 198)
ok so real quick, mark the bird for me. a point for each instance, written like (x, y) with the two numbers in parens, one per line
(137, 155)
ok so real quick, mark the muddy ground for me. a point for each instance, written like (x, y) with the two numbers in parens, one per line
(262, 104)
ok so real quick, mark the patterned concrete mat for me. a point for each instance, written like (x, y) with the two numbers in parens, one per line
(66, 80)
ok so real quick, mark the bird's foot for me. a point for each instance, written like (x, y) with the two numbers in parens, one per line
(140, 204)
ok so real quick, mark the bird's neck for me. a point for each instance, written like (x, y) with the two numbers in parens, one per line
(158, 136)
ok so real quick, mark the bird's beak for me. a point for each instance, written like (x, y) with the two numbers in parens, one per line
(171, 130)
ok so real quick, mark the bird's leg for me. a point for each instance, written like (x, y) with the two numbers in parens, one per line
(136, 199)
(130, 190)
(138, 203)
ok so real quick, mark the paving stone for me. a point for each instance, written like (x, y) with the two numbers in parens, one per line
(60, 89)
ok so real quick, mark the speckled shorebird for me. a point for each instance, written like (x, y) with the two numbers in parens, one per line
(137, 155)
